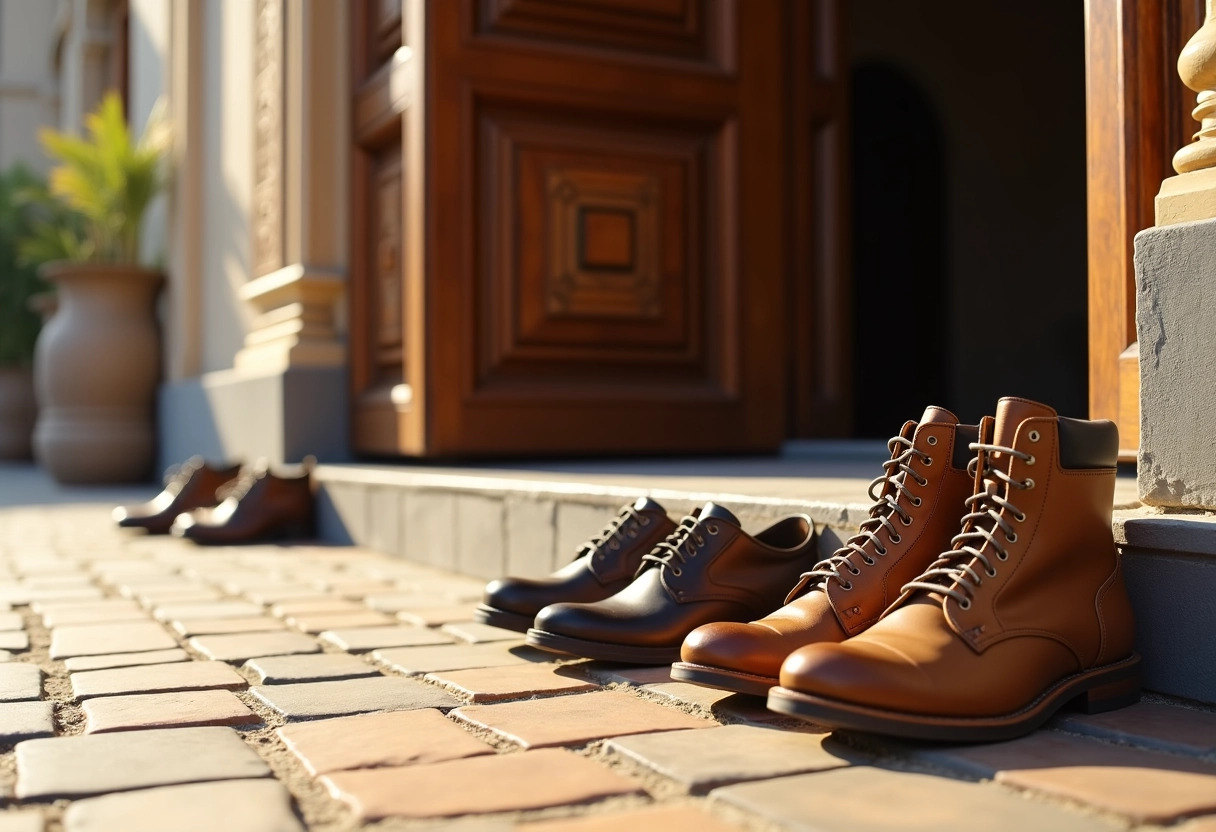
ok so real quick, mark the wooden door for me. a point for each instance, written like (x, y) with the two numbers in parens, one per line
(1138, 115)
(598, 191)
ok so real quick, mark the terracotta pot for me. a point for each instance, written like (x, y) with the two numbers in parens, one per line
(96, 366)
(17, 412)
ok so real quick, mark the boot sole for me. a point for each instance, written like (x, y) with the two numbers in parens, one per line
(734, 681)
(504, 620)
(603, 651)
(1094, 691)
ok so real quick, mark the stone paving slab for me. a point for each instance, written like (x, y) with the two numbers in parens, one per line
(99, 639)
(1149, 725)
(365, 639)
(5, 656)
(1144, 786)
(156, 678)
(245, 646)
(231, 806)
(126, 659)
(320, 622)
(165, 710)
(62, 618)
(268, 596)
(19, 682)
(28, 820)
(100, 763)
(315, 700)
(10, 621)
(318, 605)
(495, 684)
(399, 738)
(435, 616)
(14, 641)
(665, 818)
(417, 661)
(878, 800)
(226, 626)
(316, 667)
(26, 720)
(505, 782)
(573, 720)
(217, 609)
(702, 760)
(476, 633)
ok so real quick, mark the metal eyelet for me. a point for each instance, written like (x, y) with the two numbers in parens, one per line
(676, 572)
(964, 604)
(1012, 537)
(881, 552)
(645, 521)
(1033, 436)
(632, 533)
(906, 522)
(932, 440)
(928, 461)
(1021, 518)
(895, 538)
(1031, 460)
(854, 571)
(1028, 484)
(712, 528)
(991, 573)
(869, 561)
(916, 501)
(613, 545)
(1002, 556)
(847, 586)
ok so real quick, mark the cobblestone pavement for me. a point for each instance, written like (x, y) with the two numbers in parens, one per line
(146, 684)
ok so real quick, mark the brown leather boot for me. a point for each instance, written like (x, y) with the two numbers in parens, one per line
(604, 565)
(259, 505)
(191, 485)
(1027, 611)
(914, 515)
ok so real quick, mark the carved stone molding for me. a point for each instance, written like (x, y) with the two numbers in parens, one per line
(269, 94)
(297, 322)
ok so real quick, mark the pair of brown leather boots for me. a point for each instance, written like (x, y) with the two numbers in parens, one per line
(919, 628)
(227, 504)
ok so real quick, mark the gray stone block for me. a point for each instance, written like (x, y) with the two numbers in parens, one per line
(530, 535)
(1176, 326)
(342, 509)
(480, 536)
(384, 520)
(428, 527)
(576, 522)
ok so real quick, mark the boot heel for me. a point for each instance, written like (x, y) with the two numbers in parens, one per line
(1109, 696)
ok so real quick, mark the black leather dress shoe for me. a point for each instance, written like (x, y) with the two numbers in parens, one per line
(191, 485)
(709, 569)
(604, 565)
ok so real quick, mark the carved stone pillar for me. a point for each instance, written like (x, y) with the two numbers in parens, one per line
(1192, 194)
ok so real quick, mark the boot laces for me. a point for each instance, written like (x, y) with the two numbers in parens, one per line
(177, 476)
(894, 481)
(242, 485)
(679, 546)
(613, 535)
(952, 574)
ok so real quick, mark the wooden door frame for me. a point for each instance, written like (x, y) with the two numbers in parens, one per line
(1137, 116)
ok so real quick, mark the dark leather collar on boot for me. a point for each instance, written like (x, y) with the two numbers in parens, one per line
(191, 485)
(603, 565)
(709, 569)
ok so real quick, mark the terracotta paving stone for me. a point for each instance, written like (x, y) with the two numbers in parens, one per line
(572, 720)
(1203, 824)
(245, 646)
(223, 626)
(312, 606)
(26, 720)
(1151, 725)
(165, 710)
(504, 782)
(362, 639)
(637, 676)
(319, 622)
(877, 800)
(14, 641)
(666, 818)
(492, 684)
(434, 616)
(416, 661)
(399, 738)
(1145, 786)
(99, 763)
(701, 760)
(476, 633)
(315, 667)
(233, 806)
(60, 618)
(10, 621)
(395, 602)
(156, 678)
(126, 659)
(22, 820)
(314, 700)
(19, 682)
(99, 639)
(216, 609)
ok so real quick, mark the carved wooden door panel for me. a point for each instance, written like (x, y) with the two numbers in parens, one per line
(597, 192)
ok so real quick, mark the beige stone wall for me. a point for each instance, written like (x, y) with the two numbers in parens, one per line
(29, 92)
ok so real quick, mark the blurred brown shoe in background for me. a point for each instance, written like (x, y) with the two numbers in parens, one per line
(259, 505)
(189, 486)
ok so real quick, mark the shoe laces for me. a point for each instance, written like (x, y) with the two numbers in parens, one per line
(953, 573)
(613, 535)
(894, 481)
(178, 475)
(682, 544)
(242, 485)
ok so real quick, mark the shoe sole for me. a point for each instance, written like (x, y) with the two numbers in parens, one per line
(1095, 691)
(734, 681)
(504, 620)
(622, 653)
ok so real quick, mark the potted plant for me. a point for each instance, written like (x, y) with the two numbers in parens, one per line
(19, 323)
(97, 360)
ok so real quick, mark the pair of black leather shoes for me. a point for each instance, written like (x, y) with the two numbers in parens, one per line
(227, 504)
(635, 590)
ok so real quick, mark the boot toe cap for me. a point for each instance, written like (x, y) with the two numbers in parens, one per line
(517, 595)
(745, 647)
